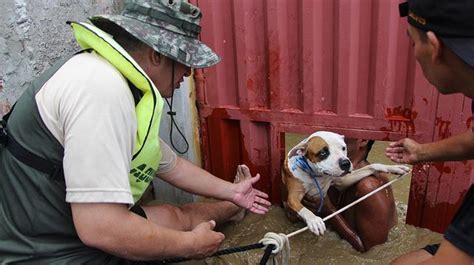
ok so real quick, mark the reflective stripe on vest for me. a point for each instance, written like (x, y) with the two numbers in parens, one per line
(147, 152)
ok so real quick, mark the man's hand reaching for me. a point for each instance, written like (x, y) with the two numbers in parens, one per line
(404, 151)
(245, 195)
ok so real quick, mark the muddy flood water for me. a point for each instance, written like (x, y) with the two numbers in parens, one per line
(308, 249)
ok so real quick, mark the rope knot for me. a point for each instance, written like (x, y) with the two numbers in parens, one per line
(281, 243)
(278, 240)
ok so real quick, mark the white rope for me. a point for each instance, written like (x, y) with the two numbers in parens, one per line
(281, 240)
(282, 246)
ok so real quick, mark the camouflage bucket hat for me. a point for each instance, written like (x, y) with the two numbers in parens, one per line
(171, 27)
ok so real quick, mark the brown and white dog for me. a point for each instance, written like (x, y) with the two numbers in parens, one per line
(315, 164)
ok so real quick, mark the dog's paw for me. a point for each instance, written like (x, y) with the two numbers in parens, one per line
(392, 169)
(315, 223)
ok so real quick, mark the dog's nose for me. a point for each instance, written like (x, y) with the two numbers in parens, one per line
(345, 164)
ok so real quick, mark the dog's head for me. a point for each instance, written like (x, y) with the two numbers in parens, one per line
(325, 152)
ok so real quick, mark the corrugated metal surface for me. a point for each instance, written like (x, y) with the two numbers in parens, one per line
(301, 66)
(437, 189)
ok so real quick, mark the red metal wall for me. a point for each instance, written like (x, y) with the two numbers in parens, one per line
(297, 66)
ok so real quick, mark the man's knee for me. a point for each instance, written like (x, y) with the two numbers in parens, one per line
(367, 185)
(169, 216)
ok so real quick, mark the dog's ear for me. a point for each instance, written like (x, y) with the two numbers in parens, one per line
(298, 150)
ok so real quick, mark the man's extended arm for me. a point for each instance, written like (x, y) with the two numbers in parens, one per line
(458, 147)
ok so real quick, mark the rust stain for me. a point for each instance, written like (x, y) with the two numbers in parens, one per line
(257, 166)
(274, 61)
(442, 168)
(221, 113)
(250, 84)
(400, 114)
(400, 120)
(443, 127)
(274, 76)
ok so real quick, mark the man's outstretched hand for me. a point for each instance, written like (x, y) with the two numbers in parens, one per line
(245, 195)
(403, 151)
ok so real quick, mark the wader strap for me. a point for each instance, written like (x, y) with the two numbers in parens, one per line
(26, 157)
(3, 128)
(3, 133)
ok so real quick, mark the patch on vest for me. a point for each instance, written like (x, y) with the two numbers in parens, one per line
(143, 173)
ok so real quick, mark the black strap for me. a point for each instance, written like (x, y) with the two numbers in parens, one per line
(26, 157)
(55, 170)
(137, 209)
(3, 133)
(3, 128)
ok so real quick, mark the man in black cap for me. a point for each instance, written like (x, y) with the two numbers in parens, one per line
(442, 33)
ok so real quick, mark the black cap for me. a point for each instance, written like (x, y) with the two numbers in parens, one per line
(451, 20)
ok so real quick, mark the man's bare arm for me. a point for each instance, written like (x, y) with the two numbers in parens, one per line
(112, 228)
(454, 148)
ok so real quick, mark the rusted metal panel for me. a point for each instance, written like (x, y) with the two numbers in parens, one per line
(300, 66)
(437, 191)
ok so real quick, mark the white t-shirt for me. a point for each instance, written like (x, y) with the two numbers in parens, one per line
(89, 108)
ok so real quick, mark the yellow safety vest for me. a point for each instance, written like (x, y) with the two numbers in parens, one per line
(147, 152)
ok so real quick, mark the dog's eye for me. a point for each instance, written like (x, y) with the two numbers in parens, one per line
(343, 148)
(323, 154)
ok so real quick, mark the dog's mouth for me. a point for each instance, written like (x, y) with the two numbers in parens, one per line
(345, 173)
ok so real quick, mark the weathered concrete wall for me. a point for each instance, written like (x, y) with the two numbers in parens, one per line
(34, 34)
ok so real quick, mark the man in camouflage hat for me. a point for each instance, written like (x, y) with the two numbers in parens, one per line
(81, 147)
(169, 27)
